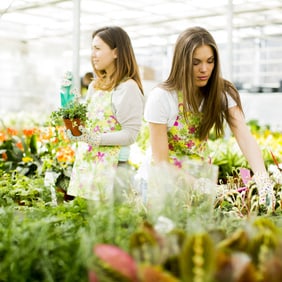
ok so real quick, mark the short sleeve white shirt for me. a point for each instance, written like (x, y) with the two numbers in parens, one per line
(162, 106)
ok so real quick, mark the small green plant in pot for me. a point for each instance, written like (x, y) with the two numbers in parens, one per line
(73, 115)
(72, 112)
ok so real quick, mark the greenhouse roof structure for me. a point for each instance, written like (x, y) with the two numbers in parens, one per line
(149, 23)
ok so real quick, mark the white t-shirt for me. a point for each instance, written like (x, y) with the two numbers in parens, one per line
(162, 106)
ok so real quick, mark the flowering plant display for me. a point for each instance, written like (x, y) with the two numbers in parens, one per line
(180, 234)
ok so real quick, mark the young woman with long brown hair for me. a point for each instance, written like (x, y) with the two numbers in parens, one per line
(193, 100)
(115, 111)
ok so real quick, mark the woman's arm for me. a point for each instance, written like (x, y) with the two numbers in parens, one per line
(246, 141)
(128, 105)
(252, 152)
(159, 142)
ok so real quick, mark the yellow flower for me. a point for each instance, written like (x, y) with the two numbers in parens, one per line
(27, 159)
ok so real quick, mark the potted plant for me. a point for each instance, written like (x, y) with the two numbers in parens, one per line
(73, 116)
(72, 112)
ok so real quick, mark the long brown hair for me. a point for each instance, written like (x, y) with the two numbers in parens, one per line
(215, 106)
(125, 65)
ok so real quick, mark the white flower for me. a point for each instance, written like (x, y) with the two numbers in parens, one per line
(276, 174)
(75, 92)
(67, 75)
(65, 82)
(164, 225)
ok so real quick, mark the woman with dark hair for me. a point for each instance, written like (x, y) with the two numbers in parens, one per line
(115, 110)
(192, 101)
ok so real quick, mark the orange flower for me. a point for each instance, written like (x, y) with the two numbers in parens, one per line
(65, 154)
(2, 137)
(12, 131)
(47, 134)
(29, 132)
(4, 156)
(19, 145)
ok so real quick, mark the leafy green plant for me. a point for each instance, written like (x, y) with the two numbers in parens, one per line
(74, 110)
(71, 108)
(20, 153)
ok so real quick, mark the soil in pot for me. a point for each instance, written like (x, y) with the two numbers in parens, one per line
(73, 125)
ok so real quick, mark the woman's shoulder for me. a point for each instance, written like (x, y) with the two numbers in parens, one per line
(128, 86)
(159, 93)
(129, 83)
(161, 106)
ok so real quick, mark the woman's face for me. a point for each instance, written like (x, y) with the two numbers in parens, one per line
(203, 64)
(103, 56)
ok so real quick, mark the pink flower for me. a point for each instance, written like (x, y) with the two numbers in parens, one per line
(96, 129)
(100, 156)
(176, 137)
(190, 144)
(192, 130)
(116, 259)
(177, 163)
(176, 122)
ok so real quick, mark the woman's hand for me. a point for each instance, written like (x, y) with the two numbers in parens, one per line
(92, 139)
(265, 190)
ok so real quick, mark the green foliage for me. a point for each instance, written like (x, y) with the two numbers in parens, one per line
(19, 189)
(46, 241)
(40, 244)
(197, 258)
(24, 161)
(43, 242)
(227, 156)
(72, 111)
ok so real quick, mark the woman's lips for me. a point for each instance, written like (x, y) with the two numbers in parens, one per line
(203, 78)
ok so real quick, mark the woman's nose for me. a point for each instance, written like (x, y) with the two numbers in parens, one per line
(203, 67)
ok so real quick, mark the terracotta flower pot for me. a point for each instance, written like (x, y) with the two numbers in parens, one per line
(73, 125)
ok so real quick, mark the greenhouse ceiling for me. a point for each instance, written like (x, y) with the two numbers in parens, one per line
(149, 23)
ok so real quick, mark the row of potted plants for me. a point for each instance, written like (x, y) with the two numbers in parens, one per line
(187, 237)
